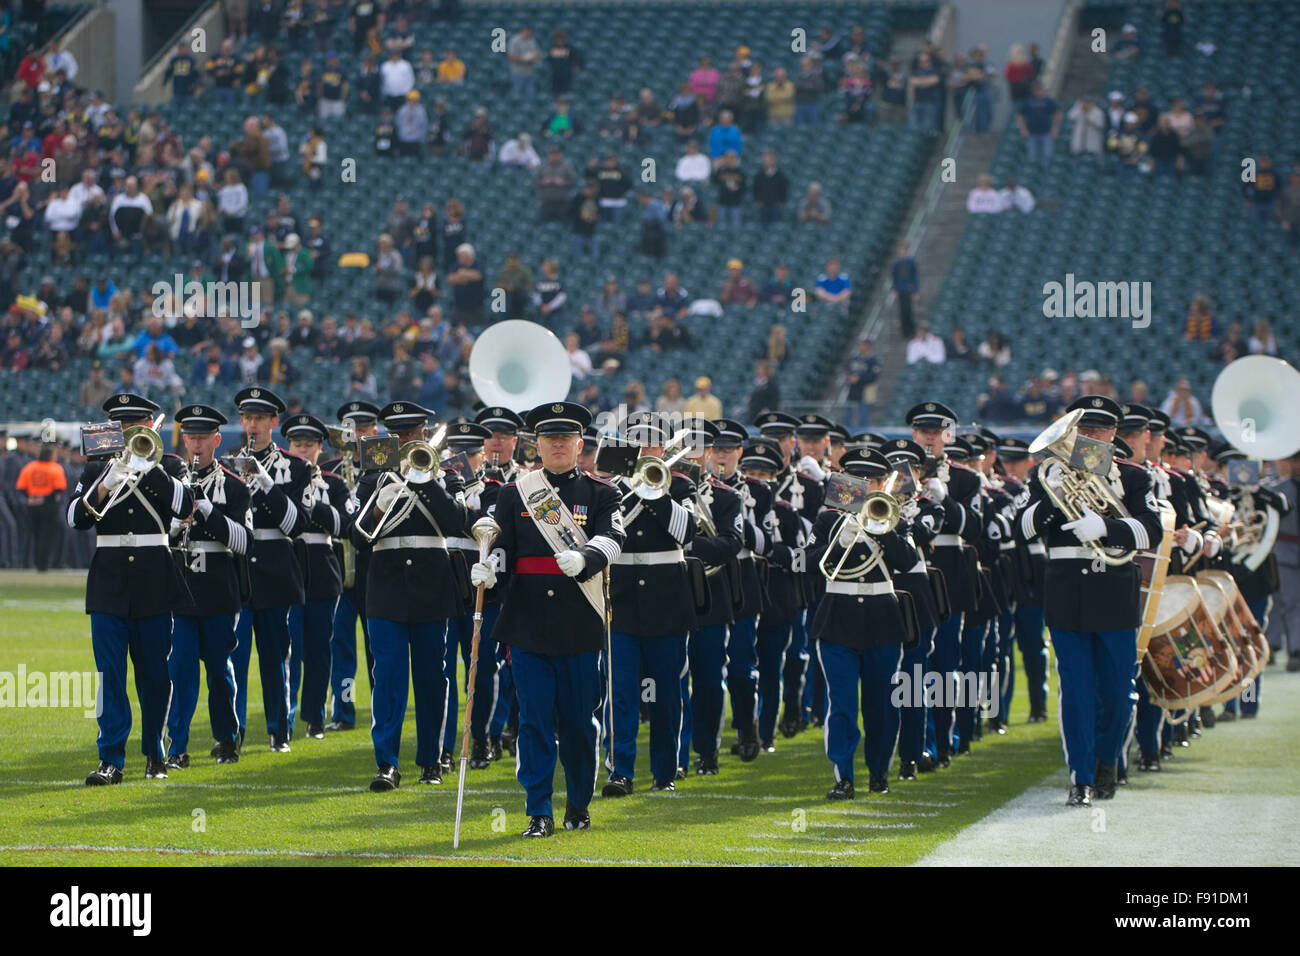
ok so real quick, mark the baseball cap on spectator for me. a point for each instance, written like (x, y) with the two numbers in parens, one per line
(704, 382)
(1130, 117)
(291, 241)
(413, 95)
(735, 264)
(250, 342)
(1116, 95)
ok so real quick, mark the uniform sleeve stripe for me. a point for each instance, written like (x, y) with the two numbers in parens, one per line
(677, 522)
(238, 537)
(72, 507)
(606, 546)
(1140, 539)
(290, 518)
(178, 495)
(1027, 520)
(334, 520)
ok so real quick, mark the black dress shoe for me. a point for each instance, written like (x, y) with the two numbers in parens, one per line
(1207, 717)
(659, 786)
(334, 725)
(1148, 764)
(445, 761)
(907, 770)
(818, 721)
(1037, 716)
(767, 746)
(735, 748)
(1080, 796)
(279, 746)
(227, 752)
(539, 827)
(155, 770)
(1246, 716)
(1103, 781)
(616, 786)
(707, 765)
(387, 779)
(215, 751)
(431, 775)
(480, 758)
(789, 725)
(977, 734)
(748, 751)
(1121, 776)
(998, 726)
(315, 731)
(178, 761)
(944, 761)
(1181, 737)
(926, 764)
(681, 773)
(508, 741)
(577, 819)
(1226, 717)
(963, 749)
(1166, 752)
(103, 775)
(879, 784)
(494, 748)
(1292, 661)
(843, 790)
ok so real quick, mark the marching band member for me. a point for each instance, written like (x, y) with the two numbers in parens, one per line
(351, 609)
(1093, 607)
(324, 502)
(204, 627)
(411, 594)
(859, 630)
(131, 588)
(999, 509)
(717, 543)
(742, 636)
(932, 426)
(467, 438)
(918, 521)
(590, 444)
(838, 436)
(652, 612)
(276, 484)
(1284, 620)
(813, 436)
(785, 533)
(554, 614)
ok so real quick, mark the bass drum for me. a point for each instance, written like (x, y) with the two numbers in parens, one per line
(1188, 662)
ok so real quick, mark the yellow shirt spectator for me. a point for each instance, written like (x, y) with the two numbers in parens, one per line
(451, 69)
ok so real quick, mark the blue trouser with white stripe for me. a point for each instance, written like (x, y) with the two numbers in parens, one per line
(773, 642)
(702, 687)
(146, 640)
(566, 688)
(663, 660)
(269, 629)
(794, 671)
(742, 672)
(212, 639)
(1095, 674)
(1250, 696)
(814, 686)
(969, 679)
(507, 703)
(1147, 719)
(311, 627)
(945, 660)
(911, 731)
(1006, 664)
(869, 672)
(460, 637)
(990, 673)
(408, 656)
(1033, 651)
(343, 658)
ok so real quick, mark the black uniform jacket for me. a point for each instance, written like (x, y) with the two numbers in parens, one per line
(273, 565)
(914, 580)
(217, 545)
(858, 621)
(717, 551)
(1079, 595)
(133, 582)
(962, 526)
(755, 501)
(326, 519)
(478, 502)
(653, 600)
(787, 534)
(543, 610)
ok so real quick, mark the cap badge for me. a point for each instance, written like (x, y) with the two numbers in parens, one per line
(463, 429)
(1096, 403)
(255, 393)
(557, 408)
(196, 410)
(929, 406)
(123, 399)
(399, 408)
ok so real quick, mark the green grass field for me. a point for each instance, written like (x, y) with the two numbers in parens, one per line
(313, 806)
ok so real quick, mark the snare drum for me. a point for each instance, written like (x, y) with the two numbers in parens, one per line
(1188, 661)
(1218, 601)
(1254, 639)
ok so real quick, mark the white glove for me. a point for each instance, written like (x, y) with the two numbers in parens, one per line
(938, 490)
(415, 477)
(203, 506)
(571, 562)
(473, 502)
(117, 473)
(847, 537)
(140, 465)
(261, 478)
(646, 493)
(309, 496)
(1088, 528)
(1213, 545)
(1054, 477)
(387, 495)
(808, 465)
(481, 572)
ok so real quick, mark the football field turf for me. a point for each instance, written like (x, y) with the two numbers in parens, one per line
(313, 806)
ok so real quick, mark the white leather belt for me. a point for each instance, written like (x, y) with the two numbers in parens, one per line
(1037, 547)
(209, 546)
(650, 557)
(409, 541)
(269, 534)
(315, 537)
(947, 541)
(130, 540)
(1007, 546)
(744, 553)
(1078, 554)
(467, 544)
(860, 587)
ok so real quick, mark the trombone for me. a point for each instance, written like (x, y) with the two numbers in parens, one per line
(416, 458)
(878, 514)
(651, 475)
(143, 444)
(344, 440)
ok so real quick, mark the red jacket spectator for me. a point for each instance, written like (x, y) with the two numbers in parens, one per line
(32, 70)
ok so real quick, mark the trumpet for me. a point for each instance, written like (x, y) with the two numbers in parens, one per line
(416, 457)
(651, 476)
(879, 514)
(143, 444)
(344, 439)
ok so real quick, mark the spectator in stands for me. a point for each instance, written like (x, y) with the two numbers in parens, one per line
(610, 301)
(893, 95)
(778, 350)
(779, 96)
(704, 82)
(62, 213)
(278, 370)
(1182, 407)
(995, 351)
(1164, 147)
(588, 329)
(1289, 211)
(154, 334)
(455, 230)
(924, 83)
(579, 360)
(1232, 346)
(252, 157)
(765, 396)
(730, 181)
(1171, 27)
(519, 152)
(50, 354)
(1181, 119)
(128, 214)
(613, 186)
(524, 54)
(189, 224)
(907, 286)
(694, 166)
(1088, 122)
(451, 68)
(771, 190)
(1127, 46)
(424, 290)
(957, 349)
(331, 91)
(685, 110)
(671, 297)
(855, 87)
(925, 346)
(1014, 196)
(738, 288)
(297, 271)
(412, 122)
(1127, 147)
(642, 299)
(156, 375)
(984, 198)
(555, 180)
(1210, 105)
(690, 208)
(516, 280)
(361, 381)
(809, 85)
(1197, 146)
(1034, 403)
(584, 216)
(396, 79)
(863, 374)
(369, 85)
(1039, 120)
(42, 482)
(468, 290)
(561, 123)
(997, 405)
(385, 138)
(725, 137)
(670, 400)
(1200, 326)
(1261, 195)
(703, 403)
(833, 286)
(666, 334)
(404, 372)
(815, 208)
(95, 390)
(731, 88)
(1262, 340)
(778, 289)
(388, 270)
